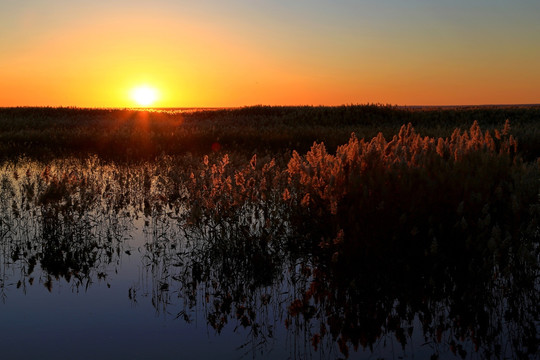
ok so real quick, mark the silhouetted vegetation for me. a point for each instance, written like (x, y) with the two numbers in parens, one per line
(135, 134)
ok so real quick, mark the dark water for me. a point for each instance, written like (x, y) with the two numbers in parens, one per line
(127, 290)
(127, 282)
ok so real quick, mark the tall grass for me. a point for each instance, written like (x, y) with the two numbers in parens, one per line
(135, 135)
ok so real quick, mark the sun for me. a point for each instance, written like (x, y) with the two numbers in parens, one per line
(144, 95)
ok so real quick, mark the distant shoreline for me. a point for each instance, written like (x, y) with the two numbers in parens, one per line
(217, 108)
(482, 106)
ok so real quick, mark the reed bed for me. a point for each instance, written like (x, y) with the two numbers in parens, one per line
(132, 135)
(341, 223)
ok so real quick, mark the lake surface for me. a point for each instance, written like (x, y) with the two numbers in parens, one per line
(110, 274)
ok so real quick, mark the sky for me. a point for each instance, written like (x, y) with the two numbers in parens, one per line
(218, 53)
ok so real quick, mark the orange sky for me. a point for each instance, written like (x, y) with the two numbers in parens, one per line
(55, 53)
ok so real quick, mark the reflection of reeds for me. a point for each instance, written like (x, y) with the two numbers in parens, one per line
(57, 224)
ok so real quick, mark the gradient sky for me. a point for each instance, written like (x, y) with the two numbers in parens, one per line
(275, 52)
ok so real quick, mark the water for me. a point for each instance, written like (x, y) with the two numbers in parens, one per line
(106, 273)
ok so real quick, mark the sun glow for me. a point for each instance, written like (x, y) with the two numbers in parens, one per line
(144, 95)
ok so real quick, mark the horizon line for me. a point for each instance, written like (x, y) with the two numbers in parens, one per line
(149, 108)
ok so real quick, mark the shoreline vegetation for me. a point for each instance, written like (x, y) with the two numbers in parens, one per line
(443, 204)
(131, 135)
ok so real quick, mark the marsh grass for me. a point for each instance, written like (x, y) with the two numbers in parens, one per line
(131, 135)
